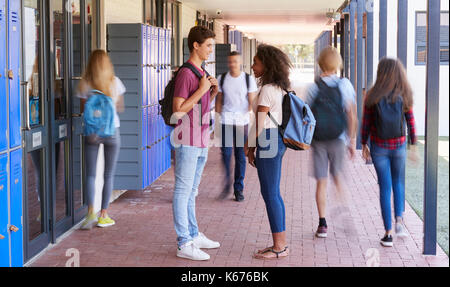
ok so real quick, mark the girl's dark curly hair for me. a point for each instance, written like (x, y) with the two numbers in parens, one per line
(276, 67)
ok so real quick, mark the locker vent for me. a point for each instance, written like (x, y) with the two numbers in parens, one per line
(1, 14)
(14, 17)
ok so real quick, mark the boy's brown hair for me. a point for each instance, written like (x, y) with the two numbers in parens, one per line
(199, 34)
(330, 60)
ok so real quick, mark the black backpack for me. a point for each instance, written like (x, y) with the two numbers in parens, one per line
(328, 110)
(390, 119)
(167, 102)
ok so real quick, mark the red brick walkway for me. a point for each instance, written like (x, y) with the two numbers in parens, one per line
(144, 233)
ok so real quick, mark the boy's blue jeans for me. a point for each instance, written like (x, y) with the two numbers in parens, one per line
(190, 162)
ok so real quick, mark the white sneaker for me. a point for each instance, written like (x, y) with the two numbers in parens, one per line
(202, 242)
(400, 230)
(192, 252)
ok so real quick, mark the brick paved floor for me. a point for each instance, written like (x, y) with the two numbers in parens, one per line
(144, 234)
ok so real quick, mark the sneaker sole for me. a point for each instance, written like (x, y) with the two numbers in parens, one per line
(105, 225)
(385, 244)
(321, 235)
(188, 258)
(209, 248)
(89, 226)
(402, 235)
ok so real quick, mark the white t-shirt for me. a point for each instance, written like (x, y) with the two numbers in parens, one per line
(271, 96)
(235, 106)
(117, 91)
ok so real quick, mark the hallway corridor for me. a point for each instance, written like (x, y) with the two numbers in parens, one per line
(144, 233)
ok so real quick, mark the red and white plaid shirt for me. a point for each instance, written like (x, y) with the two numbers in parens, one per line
(369, 128)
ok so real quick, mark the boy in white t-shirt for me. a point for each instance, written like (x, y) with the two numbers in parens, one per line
(234, 102)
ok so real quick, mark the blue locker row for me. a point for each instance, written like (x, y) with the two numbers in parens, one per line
(11, 234)
(143, 64)
(9, 75)
(11, 230)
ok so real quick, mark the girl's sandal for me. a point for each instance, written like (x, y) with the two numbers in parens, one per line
(265, 250)
(270, 254)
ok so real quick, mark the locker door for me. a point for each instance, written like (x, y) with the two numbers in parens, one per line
(4, 234)
(13, 74)
(153, 141)
(144, 147)
(144, 64)
(149, 64)
(149, 145)
(3, 102)
(16, 209)
(155, 64)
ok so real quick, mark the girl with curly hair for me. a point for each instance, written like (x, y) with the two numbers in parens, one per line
(265, 149)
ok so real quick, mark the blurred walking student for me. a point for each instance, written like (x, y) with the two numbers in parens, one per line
(272, 67)
(192, 100)
(98, 89)
(234, 102)
(387, 113)
(333, 103)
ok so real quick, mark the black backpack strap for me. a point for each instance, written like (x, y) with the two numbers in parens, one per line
(247, 81)
(273, 119)
(222, 81)
(193, 69)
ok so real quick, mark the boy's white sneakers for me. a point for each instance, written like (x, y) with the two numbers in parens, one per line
(192, 252)
(202, 242)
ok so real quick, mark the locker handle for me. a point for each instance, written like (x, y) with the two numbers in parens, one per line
(2, 237)
(11, 74)
(13, 228)
(27, 108)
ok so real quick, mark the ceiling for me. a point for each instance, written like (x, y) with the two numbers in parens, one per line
(272, 21)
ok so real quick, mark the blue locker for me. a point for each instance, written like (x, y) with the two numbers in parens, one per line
(144, 64)
(14, 66)
(144, 147)
(168, 55)
(4, 234)
(152, 165)
(161, 36)
(150, 143)
(149, 63)
(3, 101)
(155, 64)
(16, 200)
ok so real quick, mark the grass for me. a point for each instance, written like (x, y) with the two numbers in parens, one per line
(415, 196)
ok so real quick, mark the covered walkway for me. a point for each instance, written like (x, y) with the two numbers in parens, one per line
(144, 234)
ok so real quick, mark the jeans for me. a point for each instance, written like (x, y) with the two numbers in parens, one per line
(390, 167)
(190, 162)
(269, 174)
(234, 136)
(111, 151)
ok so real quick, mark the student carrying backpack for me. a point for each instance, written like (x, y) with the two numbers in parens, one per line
(237, 90)
(190, 87)
(101, 94)
(333, 103)
(388, 110)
